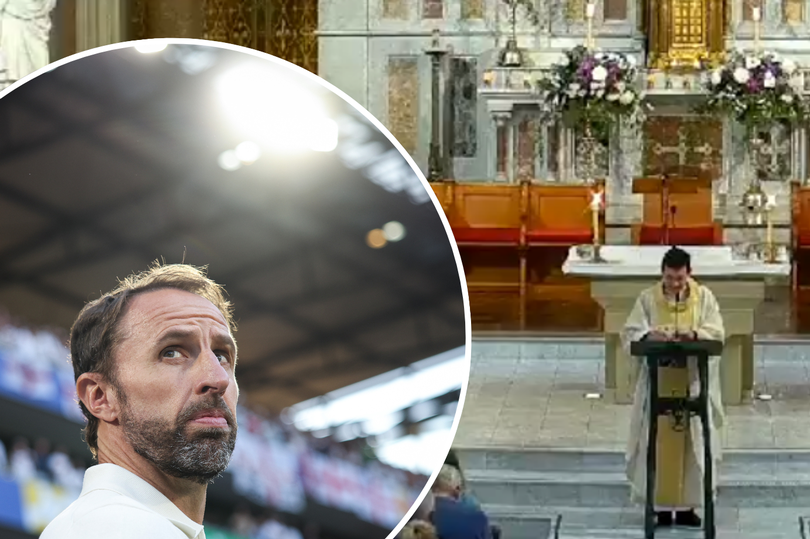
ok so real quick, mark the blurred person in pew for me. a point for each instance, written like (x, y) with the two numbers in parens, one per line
(452, 518)
(418, 529)
(154, 362)
(677, 308)
(466, 497)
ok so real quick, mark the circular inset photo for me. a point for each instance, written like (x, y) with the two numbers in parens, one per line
(229, 303)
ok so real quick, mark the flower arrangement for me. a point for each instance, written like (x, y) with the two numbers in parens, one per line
(589, 90)
(757, 90)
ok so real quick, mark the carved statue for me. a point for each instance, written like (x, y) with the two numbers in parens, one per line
(684, 33)
(24, 29)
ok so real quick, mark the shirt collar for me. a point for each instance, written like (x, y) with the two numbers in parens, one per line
(113, 477)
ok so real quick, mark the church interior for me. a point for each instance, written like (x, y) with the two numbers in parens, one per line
(561, 219)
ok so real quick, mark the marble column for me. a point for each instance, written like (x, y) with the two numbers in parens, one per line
(98, 23)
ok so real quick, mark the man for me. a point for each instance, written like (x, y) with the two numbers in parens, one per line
(452, 518)
(677, 308)
(154, 363)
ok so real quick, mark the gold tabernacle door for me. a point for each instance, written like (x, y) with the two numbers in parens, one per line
(684, 33)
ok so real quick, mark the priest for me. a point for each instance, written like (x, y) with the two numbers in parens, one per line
(676, 308)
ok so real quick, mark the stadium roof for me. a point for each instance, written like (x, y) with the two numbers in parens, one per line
(112, 161)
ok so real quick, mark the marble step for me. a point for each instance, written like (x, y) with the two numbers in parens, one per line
(610, 489)
(677, 533)
(761, 462)
(521, 520)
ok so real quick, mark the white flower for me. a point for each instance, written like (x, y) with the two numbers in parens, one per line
(741, 75)
(620, 86)
(789, 66)
(787, 98)
(613, 96)
(751, 62)
(599, 73)
(769, 81)
(563, 61)
(599, 56)
(627, 98)
(631, 60)
(574, 86)
(717, 76)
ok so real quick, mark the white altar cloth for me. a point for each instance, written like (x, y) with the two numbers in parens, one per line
(645, 261)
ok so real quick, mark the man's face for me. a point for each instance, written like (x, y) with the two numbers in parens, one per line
(175, 370)
(675, 280)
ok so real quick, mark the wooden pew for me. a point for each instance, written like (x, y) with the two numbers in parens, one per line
(692, 223)
(800, 244)
(502, 230)
(560, 217)
(489, 226)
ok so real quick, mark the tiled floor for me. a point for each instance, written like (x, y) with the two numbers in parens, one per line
(532, 394)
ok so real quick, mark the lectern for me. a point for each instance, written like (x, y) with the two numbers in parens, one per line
(677, 353)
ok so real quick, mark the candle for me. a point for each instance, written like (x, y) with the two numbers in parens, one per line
(596, 203)
(756, 14)
(590, 10)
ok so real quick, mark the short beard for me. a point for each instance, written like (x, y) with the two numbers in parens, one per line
(199, 457)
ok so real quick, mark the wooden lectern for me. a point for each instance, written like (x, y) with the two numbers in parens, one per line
(674, 355)
(663, 188)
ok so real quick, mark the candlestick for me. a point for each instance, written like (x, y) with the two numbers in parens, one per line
(770, 252)
(590, 11)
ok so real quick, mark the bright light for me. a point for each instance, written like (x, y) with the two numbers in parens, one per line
(420, 454)
(150, 46)
(229, 161)
(376, 401)
(248, 152)
(325, 136)
(376, 239)
(272, 109)
(394, 231)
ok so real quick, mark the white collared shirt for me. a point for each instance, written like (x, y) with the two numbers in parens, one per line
(117, 504)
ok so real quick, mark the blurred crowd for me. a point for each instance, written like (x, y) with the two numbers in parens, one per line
(449, 511)
(24, 463)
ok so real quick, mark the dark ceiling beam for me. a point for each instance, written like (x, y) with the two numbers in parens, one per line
(258, 369)
(62, 226)
(65, 127)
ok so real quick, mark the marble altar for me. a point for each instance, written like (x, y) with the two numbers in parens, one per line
(738, 284)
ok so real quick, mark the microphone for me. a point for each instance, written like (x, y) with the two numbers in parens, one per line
(677, 309)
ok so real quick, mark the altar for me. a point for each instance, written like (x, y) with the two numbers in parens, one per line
(737, 283)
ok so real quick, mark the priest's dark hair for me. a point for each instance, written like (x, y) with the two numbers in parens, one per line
(676, 258)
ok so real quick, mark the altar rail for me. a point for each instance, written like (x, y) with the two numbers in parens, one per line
(513, 240)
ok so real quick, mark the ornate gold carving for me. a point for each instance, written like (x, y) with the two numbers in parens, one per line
(395, 9)
(683, 33)
(793, 11)
(403, 101)
(472, 9)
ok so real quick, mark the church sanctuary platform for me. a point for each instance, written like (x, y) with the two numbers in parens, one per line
(538, 441)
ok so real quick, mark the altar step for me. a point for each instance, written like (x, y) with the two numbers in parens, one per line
(628, 523)
(761, 492)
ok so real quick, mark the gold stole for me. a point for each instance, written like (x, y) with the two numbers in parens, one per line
(673, 438)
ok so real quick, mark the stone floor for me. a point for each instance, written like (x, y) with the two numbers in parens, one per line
(532, 394)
